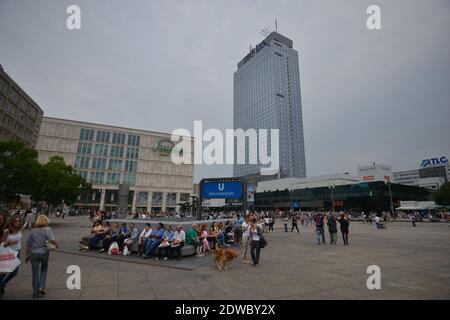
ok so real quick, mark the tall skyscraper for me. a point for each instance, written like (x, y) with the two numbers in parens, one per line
(267, 96)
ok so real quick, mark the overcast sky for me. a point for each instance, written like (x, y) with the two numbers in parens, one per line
(367, 95)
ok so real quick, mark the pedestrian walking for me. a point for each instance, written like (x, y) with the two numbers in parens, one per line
(343, 221)
(413, 220)
(285, 222)
(332, 228)
(246, 238)
(255, 247)
(38, 253)
(12, 239)
(320, 232)
(294, 224)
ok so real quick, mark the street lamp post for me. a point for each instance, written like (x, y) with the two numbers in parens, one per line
(388, 182)
(331, 187)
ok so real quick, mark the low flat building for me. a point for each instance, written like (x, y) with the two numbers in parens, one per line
(109, 157)
(363, 196)
(20, 116)
(311, 182)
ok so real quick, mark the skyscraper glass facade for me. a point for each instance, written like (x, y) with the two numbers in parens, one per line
(267, 96)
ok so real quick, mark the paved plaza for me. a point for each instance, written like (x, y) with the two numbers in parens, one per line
(414, 262)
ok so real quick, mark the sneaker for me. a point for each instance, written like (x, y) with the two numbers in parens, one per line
(156, 258)
(101, 250)
(165, 259)
(198, 256)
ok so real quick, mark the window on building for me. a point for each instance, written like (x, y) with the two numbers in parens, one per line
(86, 134)
(134, 140)
(113, 178)
(132, 153)
(157, 199)
(129, 179)
(171, 199)
(101, 149)
(117, 151)
(84, 148)
(82, 162)
(99, 163)
(118, 138)
(97, 177)
(130, 166)
(115, 165)
(102, 136)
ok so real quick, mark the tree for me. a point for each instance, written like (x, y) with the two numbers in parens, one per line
(442, 196)
(19, 170)
(59, 183)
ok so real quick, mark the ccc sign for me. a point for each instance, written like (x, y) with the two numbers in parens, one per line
(368, 178)
(338, 203)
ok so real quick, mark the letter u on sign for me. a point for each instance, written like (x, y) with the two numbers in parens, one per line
(221, 186)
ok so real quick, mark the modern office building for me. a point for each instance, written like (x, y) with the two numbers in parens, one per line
(110, 156)
(432, 173)
(20, 116)
(267, 96)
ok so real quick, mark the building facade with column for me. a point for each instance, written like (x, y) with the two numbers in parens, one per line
(109, 157)
(20, 116)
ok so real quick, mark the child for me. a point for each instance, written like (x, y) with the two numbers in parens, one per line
(203, 237)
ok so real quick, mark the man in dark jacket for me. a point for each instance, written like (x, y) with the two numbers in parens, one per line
(332, 228)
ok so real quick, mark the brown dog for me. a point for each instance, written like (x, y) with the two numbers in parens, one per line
(223, 256)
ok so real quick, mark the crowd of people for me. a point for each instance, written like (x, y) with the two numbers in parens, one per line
(161, 241)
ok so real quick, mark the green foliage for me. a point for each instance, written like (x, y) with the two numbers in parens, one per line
(53, 182)
(442, 196)
(19, 170)
(58, 183)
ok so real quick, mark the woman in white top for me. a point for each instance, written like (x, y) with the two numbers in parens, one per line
(13, 240)
(143, 238)
(246, 238)
(255, 247)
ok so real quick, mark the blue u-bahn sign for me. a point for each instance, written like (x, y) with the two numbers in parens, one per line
(222, 190)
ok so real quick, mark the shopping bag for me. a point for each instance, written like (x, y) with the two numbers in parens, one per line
(8, 260)
(125, 250)
(113, 248)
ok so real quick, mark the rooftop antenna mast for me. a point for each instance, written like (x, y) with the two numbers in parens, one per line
(276, 25)
(264, 32)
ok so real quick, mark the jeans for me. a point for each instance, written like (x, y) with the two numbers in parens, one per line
(39, 267)
(221, 239)
(285, 227)
(294, 226)
(255, 250)
(94, 239)
(151, 245)
(320, 234)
